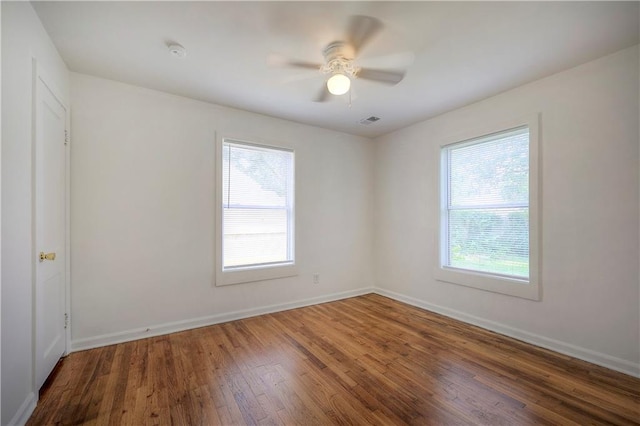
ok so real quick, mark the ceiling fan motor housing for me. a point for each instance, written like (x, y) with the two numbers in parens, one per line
(339, 59)
(338, 49)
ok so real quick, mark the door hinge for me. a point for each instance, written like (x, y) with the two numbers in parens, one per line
(66, 320)
(66, 137)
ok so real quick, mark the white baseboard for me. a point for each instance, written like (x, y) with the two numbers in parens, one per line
(24, 412)
(172, 327)
(584, 354)
(604, 360)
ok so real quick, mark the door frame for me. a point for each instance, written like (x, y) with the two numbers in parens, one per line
(40, 75)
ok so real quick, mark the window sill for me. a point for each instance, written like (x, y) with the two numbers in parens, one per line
(493, 283)
(248, 275)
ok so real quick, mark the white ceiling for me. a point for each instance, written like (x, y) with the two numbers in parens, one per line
(464, 51)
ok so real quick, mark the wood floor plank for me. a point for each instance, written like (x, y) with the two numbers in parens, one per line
(364, 360)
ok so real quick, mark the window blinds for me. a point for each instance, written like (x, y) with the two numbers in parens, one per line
(257, 198)
(488, 204)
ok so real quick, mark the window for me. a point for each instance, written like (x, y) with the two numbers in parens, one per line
(488, 195)
(255, 232)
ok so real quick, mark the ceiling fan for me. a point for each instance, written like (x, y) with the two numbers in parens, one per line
(339, 60)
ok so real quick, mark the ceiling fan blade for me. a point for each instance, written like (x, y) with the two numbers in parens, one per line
(323, 94)
(274, 60)
(387, 77)
(302, 64)
(296, 77)
(361, 30)
(397, 61)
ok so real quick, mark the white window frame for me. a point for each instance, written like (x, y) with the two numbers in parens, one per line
(250, 273)
(525, 288)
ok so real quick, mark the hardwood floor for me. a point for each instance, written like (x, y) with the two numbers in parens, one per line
(365, 360)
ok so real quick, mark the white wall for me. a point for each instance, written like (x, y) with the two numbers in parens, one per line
(23, 38)
(590, 210)
(142, 206)
(142, 211)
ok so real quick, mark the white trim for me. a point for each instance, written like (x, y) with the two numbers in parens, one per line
(175, 326)
(249, 274)
(40, 74)
(527, 289)
(594, 357)
(67, 196)
(25, 411)
(35, 76)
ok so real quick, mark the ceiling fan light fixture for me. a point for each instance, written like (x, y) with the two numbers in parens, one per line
(338, 84)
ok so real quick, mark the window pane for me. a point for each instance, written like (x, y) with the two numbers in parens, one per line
(257, 204)
(258, 177)
(490, 240)
(254, 236)
(488, 204)
(490, 173)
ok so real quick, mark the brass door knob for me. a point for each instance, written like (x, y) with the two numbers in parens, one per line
(47, 256)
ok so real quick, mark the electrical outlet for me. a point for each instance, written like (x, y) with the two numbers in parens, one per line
(316, 278)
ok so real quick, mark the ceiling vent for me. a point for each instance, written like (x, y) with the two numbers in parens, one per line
(369, 120)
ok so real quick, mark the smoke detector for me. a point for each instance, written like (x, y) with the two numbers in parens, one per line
(177, 50)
